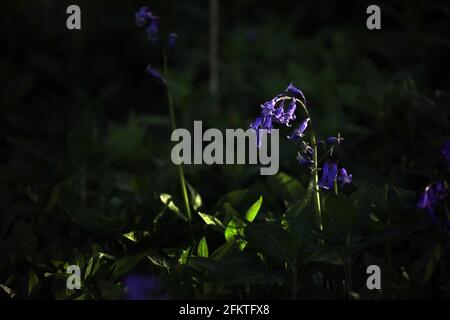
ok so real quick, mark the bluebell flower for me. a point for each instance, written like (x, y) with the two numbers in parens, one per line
(289, 114)
(299, 132)
(142, 287)
(446, 154)
(279, 113)
(291, 89)
(143, 15)
(152, 30)
(344, 177)
(334, 140)
(171, 40)
(304, 160)
(329, 173)
(434, 194)
(154, 73)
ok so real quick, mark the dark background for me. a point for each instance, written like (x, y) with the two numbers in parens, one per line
(83, 124)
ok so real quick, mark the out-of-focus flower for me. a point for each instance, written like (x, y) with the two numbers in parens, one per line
(334, 140)
(143, 287)
(154, 73)
(344, 177)
(329, 173)
(142, 15)
(171, 40)
(296, 92)
(446, 154)
(299, 132)
(434, 193)
(152, 31)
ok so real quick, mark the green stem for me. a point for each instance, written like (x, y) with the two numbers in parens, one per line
(315, 169)
(174, 126)
(317, 205)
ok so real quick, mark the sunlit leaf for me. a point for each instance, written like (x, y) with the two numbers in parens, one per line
(202, 249)
(33, 281)
(251, 213)
(211, 220)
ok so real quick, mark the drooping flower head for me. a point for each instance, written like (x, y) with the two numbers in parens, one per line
(434, 194)
(273, 112)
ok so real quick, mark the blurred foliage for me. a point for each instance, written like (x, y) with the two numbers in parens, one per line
(86, 176)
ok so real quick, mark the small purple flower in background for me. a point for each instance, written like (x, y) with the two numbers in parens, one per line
(171, 40)
(142, 16)
(329, 173)
(446, 154)
(434, 194)
(299, 132)
(291, 89)
(154, 73)
(152, 30)
(334, 140)
(344, 177)
(143, 287)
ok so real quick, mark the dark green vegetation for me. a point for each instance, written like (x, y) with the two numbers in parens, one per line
(86, 176)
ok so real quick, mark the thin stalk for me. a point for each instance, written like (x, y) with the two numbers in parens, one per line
(316, 184)
(315, 169)
(174, 126)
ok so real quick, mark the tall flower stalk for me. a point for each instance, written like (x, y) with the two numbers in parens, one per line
(275, 111)
(145, 18)
(315, 161)
(174, 126)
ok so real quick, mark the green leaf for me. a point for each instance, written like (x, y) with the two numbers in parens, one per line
(125, 265)
(300, 221)
(270, 239)
(196, 199)
(89, 267)
(167, 200)
(231, 214)
(339, 217)
(234, 230)
(202, 249)
(287, 186)
(251, 213)
(93, 220)
(10, 292)
(211, 220)
(33, 281)
(222, 251)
